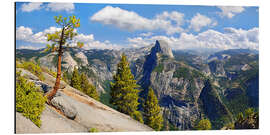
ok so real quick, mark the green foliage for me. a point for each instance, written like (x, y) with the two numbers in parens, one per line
(75, 79)
(159, 68)
(213, 107)
(29, 102)
(88, 88)
(93, 130)
(137, 116)
(26, 54)
(229, 126)
(153, 117)
(67, 77)
(203, 124)
(124, 92)
(89, 72)
(65, 35)
(249, 121)
(32, 67)
(101, 55)
(81, 83)
(106, 97)
(186, 73)
(181, 72)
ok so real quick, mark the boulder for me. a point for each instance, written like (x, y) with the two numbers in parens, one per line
(64, 104)
(27, 74)
(43, 87)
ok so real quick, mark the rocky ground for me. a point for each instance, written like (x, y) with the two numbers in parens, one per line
(73, 111)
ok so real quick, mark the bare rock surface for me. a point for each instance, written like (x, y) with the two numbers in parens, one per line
(27, 74)
(64, 104)
(52, 122)
(89, 114)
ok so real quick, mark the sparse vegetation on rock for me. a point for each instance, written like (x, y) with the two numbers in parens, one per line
(29, 101)
(31, 67)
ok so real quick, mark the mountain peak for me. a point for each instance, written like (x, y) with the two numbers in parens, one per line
(162, 47)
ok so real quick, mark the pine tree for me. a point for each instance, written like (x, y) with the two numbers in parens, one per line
(124, 91)
(153, 117)
(204, 124)
(88, 88)
(61, 40)
(249, 121)
(75, 79)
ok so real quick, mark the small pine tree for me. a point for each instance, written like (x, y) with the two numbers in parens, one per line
(75, 79)
(88, 88)
(124, 92)
(250, 121)
(153, 117)
(204, 124)
(61, 40)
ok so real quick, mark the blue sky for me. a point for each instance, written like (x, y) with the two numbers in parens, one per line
(115, 26)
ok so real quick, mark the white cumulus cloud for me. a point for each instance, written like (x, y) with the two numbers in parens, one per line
(199, 21)
(230, 11)
(146, 34)
(26, 34)
(28, 7)
(29, 47)
(231, 39)
(69, 7)
(131, 21)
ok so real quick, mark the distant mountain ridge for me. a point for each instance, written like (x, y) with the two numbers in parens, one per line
(180, 78)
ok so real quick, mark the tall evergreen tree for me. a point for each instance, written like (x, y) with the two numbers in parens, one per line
(75, 79)
(153, 117)
(88, 88)
(124, 91)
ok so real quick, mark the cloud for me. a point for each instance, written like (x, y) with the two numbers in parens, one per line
(55, 7)
(199, 21)
(26, 34)
(131, 21)
(68, 7)
(175, 16)
(230, 11)
(137, 42)
(29, 7)
(146, 34)
(29, 47)
(231, 39)
(23, 32)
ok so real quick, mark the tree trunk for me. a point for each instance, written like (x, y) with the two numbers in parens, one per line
(58, 77)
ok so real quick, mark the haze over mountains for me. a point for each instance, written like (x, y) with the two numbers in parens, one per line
(189, 84)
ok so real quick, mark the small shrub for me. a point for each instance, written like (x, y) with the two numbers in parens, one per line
(93, 130)
(29, 102)
(204, 124)
(33, 68)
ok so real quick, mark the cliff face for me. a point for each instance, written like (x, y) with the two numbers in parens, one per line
(176, 90)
